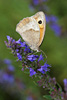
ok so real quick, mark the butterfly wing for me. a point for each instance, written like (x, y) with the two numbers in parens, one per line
(29, 30)
(40, 16)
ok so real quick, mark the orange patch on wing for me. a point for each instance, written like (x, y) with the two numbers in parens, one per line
(41, 35)
(23, 22)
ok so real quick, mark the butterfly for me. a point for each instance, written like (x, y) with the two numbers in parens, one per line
(32, 30)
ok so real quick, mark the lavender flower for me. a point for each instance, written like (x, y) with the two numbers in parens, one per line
(65, 84)
(32, 57)
(32, 72)
(19, 56)
(22, 44)
(52, 21)
(8, 78)
(64, 94)
(40, 58)
(7, 61)
(8, 37)
(44, 68)
(56, 28)
(32, 62)
(11, 68)
(6, 75)
(36, 2)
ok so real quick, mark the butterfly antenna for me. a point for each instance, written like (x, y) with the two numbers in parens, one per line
(43, 53)
(37, 52)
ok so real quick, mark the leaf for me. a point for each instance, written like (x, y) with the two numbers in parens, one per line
(48, 97)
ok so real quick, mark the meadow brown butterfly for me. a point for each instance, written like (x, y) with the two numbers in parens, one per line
(32, 30)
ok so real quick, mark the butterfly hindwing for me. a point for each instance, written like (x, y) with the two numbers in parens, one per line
(29, 30)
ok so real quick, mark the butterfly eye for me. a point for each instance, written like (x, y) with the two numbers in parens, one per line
(40, 22)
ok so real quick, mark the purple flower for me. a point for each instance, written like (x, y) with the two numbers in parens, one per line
(27, 49)
(40, 58)
(51, 19)
(36, 2)
(22, 69)
(44, 68)
(32, 57)
(56, 28)
(17, 50)
(18, 41)
(65, 84)
(11, 68)
(32, 72)
(19, 56)
(22, 44)
(7, 78)
(7, 61)
(8, 37)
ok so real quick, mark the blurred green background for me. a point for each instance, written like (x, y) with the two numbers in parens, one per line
(11, 12)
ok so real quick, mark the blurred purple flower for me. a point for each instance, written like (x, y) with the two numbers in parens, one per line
(32, 57)
(11, 68)
(17, 50)
(51, 18)
(40, 58)
(56, 28)
(29, 98)
(44, 68)
(7, 61)
(32, 72)
(18, 41)
(7, 78)
(19, 56)
(52, 21)
(35, 2)
(8, 37)
(27, 49)
(65, 84)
